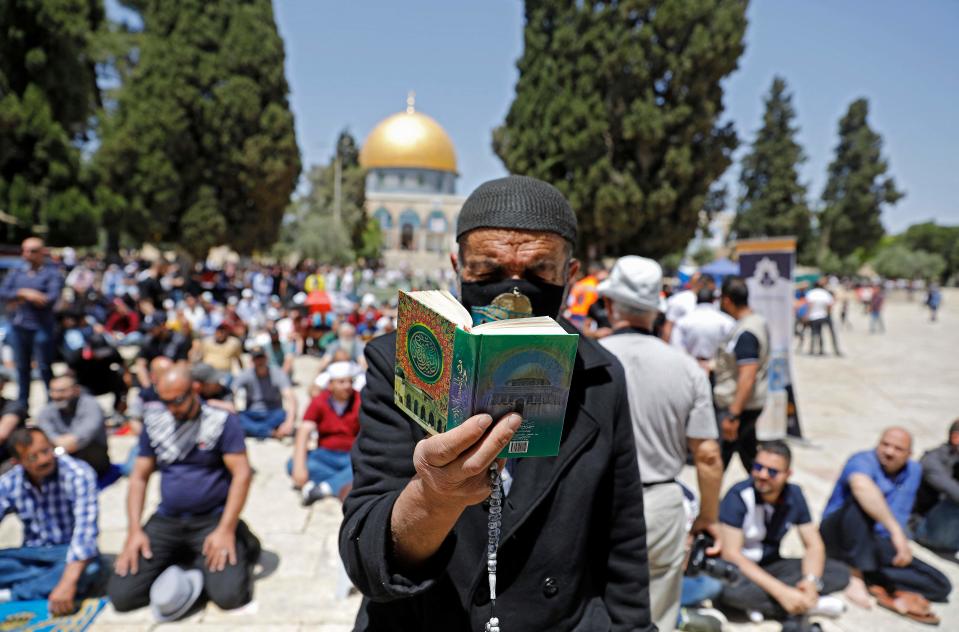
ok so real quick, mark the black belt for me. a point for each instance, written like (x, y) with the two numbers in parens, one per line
(654, 484)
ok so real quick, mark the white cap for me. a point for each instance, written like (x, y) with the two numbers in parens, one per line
(342, 369)
(635, 281)
(247, 293)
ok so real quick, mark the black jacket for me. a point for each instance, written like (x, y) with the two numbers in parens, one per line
(940, 478)
(573, 544)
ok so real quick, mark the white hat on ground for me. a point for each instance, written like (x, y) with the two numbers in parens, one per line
(174, 592)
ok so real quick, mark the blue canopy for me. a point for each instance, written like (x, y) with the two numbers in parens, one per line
(720, 269)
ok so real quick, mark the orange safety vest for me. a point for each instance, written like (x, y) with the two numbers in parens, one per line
(583, 295)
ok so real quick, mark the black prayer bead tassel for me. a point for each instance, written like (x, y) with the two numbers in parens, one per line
(492, 546)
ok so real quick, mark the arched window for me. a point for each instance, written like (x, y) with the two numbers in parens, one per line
(437, 228)
(409, 224)
(385, 220)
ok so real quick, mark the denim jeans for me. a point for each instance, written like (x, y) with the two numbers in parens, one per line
(939, 528)
(698, 589)
(32, 572)
(262, 423)
(327, 466)
(30, 344)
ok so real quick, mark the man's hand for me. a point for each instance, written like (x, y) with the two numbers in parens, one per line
(61, 598)
(903, 555)
(300, 476)
(808, 588)
(137, 543)
(730, 428)
(219, 548)
(453, 465)
(793, 600)
(30, 295)
(712, 530)
(285, 429)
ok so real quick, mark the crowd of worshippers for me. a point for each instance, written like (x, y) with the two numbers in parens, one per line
(604, 536)
(194, 402)
(700, 397)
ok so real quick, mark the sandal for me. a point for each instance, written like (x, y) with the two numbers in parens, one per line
(905, 603)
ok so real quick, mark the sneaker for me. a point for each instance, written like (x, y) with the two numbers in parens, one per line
(829, 607)
(315, 492)
(305, 492)
(701, 620)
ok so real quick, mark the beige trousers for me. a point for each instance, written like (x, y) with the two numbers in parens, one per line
(666, 547)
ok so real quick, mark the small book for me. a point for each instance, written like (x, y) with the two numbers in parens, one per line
(448, 370)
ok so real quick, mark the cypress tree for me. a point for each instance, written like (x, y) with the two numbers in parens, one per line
(772, 200)
(48, 97)
(315, 231)
(618, 105)
(201, 144)
(857, 186)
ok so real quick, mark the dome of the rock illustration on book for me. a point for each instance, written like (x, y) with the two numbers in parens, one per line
(529, 375)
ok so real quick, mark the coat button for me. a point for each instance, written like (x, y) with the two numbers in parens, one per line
(549, 587)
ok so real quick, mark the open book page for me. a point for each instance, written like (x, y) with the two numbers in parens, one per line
(536, 326)
(443, 303)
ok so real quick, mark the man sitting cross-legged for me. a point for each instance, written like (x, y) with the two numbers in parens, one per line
(864, 525)
(270, 402)
(756, 514)
(334, 415)
(55, 498)
(205, 477)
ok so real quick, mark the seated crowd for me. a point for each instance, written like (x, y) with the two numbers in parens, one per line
(192, 399)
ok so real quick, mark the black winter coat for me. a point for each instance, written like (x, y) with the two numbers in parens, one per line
(573, 544)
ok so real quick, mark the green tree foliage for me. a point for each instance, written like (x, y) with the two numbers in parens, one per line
(348, 232)
(899, 262)
(703, 254)
(201, 143)
(48, 96)
(857, 187)
(941, 240)
(618, 105)
(772, 201)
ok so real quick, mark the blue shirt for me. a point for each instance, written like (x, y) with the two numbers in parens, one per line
(63, 511)
(197, 483)
(46, 279)
(763, 525)
(899, 489)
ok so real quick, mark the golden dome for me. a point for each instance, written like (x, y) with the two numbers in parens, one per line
(408, 140)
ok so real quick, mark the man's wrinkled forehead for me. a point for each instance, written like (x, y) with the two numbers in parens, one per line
(484, 250)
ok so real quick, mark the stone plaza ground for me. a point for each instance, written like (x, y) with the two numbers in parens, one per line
(906, 376)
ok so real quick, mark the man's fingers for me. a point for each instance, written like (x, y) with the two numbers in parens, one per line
(134, 563)
(120, 566)
(478, 458)
(147, 553)
(233, 555)
(443, 449)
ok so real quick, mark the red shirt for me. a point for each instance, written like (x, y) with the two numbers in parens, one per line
(337, 432)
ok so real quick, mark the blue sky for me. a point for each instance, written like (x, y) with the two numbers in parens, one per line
(350, 64)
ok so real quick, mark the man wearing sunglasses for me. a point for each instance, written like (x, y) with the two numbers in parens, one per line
(205, 478)
(32, 290)
(756, 514)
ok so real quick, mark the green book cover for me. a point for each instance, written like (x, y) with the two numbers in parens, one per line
(448, 371)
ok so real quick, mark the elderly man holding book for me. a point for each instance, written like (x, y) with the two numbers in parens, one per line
(560, 541)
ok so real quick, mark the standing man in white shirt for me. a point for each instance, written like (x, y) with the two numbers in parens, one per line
(680, 304)
(672, 412)
(820, 303)
(700, 332)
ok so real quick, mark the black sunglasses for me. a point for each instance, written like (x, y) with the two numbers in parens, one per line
(176, 401)
(759, 467)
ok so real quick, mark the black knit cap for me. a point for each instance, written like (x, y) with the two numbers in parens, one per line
(520, 203)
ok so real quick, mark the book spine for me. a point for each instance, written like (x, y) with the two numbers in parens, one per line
(463, 379)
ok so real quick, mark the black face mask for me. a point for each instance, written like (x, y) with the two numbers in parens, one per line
(511, 298)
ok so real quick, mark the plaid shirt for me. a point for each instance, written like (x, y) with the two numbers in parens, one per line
(62, 511)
